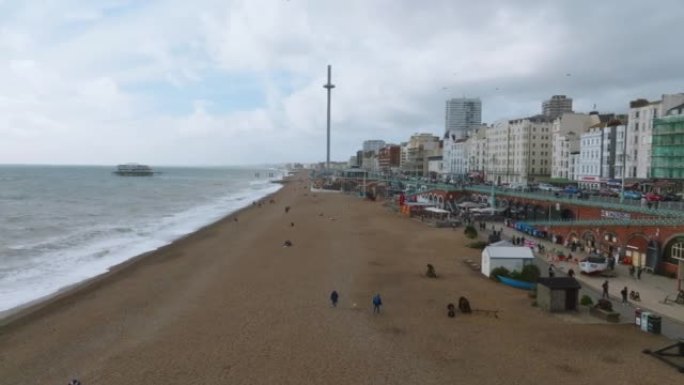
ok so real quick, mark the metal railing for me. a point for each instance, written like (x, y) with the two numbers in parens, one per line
(664, 209)
(679, 221)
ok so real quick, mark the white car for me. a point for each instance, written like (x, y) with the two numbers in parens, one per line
(519, 187)
(548, 187)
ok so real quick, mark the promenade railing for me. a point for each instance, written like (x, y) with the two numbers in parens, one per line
(659, 209)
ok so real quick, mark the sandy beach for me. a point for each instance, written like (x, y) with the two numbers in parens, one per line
(230, 305)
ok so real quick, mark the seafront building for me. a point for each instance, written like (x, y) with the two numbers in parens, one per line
(565, 137)
(668, 145)
(642, 113)
(389, 158)
(519, 150)
(476, 150)
(417, 150)
(462, 115)
(600, 149)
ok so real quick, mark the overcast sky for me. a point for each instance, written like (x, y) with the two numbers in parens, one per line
(219, 82)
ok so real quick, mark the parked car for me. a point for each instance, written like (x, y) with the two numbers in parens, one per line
(671, 197)
(519, 187)
(571, 190)
(606, 192)
(631, 194)
(653, 197)
(548, 187)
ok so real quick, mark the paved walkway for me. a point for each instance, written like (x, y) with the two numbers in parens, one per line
(652, 288)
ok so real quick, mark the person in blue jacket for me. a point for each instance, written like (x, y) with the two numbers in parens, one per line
(377, 302)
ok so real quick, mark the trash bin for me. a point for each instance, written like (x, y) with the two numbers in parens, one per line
(637, 316)
(644, 320)
(654, 323)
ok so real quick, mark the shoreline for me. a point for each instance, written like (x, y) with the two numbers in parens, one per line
(38, 306)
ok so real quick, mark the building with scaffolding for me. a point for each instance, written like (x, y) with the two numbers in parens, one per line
(668, 145)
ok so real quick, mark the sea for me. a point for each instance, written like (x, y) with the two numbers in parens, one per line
(61, 225)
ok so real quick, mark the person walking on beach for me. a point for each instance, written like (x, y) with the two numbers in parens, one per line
(551, 273)
(624, 295)
(334, 297)
(605, 289)
(639, 270)
(377, 302)
(571, 273)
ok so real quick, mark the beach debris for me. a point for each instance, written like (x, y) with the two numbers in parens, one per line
(235, 219)
(287, 209)
(287, 243)
(74, 382)
(334, 296)
(377, 302)
(272, 201)
(430, 273)
(320, 215)
(464, 305)
(672, 355)
(451, 310)
(291, 224)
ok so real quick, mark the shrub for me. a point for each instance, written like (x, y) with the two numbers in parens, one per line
(604, 304)
(515, 274)
(477, 245)
(502, 271)
(586, 300)
(530, 273)
(470, 232)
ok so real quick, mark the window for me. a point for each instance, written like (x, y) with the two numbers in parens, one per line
(636, 114)
(636, 126)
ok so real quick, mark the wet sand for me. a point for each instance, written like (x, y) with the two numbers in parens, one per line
(230, 305)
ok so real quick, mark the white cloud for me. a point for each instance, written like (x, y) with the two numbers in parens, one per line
(88, 82)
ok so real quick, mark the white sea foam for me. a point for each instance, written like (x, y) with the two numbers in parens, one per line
(86, 253)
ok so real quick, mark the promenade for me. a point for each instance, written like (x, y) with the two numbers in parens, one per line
(653, 289)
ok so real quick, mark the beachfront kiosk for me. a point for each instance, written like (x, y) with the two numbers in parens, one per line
(510, 257)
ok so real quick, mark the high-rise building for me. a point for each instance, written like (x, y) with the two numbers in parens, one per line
(556, 106)
(463, 115)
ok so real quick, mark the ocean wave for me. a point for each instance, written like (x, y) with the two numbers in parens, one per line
(44, 267)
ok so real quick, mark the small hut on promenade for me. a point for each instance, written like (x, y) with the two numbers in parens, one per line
(558, 294)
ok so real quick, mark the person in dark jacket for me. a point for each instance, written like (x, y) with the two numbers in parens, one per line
(624, 294)
(377, 302)
(334, 297)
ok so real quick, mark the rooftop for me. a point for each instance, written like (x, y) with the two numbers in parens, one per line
(513, 252)
(560, 283)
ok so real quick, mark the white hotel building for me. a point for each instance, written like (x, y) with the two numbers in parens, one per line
(519, 150)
